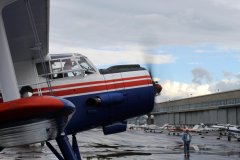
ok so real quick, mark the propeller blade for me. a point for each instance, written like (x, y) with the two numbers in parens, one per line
(157, 86)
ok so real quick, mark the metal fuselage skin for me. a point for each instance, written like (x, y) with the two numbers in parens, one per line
(124, 94)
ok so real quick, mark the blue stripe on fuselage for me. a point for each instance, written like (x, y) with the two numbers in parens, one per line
(138, 101)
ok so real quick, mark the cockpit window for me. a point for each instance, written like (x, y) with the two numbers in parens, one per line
(85, 65)
(66, 67)
(57, 68)
(40, 68)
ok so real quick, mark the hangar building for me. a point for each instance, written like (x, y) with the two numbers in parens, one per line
(222, 108)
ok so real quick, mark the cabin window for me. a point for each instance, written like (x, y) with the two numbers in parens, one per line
(85, 65)
(57, 69)
(66, 67)
(40, 68)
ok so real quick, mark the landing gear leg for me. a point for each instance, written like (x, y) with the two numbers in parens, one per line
(68, 152)
(66, 147)
(75, 147)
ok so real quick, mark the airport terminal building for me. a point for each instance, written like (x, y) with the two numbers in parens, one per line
(222, 108)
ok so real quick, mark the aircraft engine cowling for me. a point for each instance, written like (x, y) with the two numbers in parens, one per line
(106, 99)
(115, 128)
(119, 94)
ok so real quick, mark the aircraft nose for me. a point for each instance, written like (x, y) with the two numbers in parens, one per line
(158, 88)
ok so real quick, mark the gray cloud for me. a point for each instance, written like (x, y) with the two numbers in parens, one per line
(110, 23)
(201, 75)
(230, 75)
(225, 86)
(231, 81)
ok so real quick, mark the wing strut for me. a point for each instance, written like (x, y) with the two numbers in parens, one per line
(38, 45)
(54, 151)
(8, 78)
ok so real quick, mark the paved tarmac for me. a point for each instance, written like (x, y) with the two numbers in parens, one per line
(135, 145)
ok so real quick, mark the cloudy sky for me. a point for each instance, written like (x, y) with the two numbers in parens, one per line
(193, 46)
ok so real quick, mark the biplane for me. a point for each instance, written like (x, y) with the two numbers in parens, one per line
(49, 97)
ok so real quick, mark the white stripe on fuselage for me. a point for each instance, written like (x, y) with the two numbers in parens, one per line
(103, 91)
(99, 84)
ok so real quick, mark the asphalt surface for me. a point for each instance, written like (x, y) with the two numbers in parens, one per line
(135, 145)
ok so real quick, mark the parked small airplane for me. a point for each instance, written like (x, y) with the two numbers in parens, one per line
(175, 130)
(219, 127)
(227, 130)
(157, 129)
(47, 97)
(202, 128)
(234, 131)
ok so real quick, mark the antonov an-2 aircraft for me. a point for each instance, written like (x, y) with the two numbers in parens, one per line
(48, 97)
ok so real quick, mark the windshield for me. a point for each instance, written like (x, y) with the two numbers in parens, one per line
(66, 67)
(85, 65)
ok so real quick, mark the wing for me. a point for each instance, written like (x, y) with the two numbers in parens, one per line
(27, 28)
(34, 119)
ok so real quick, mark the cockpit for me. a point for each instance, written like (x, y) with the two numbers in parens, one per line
(65, 65)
